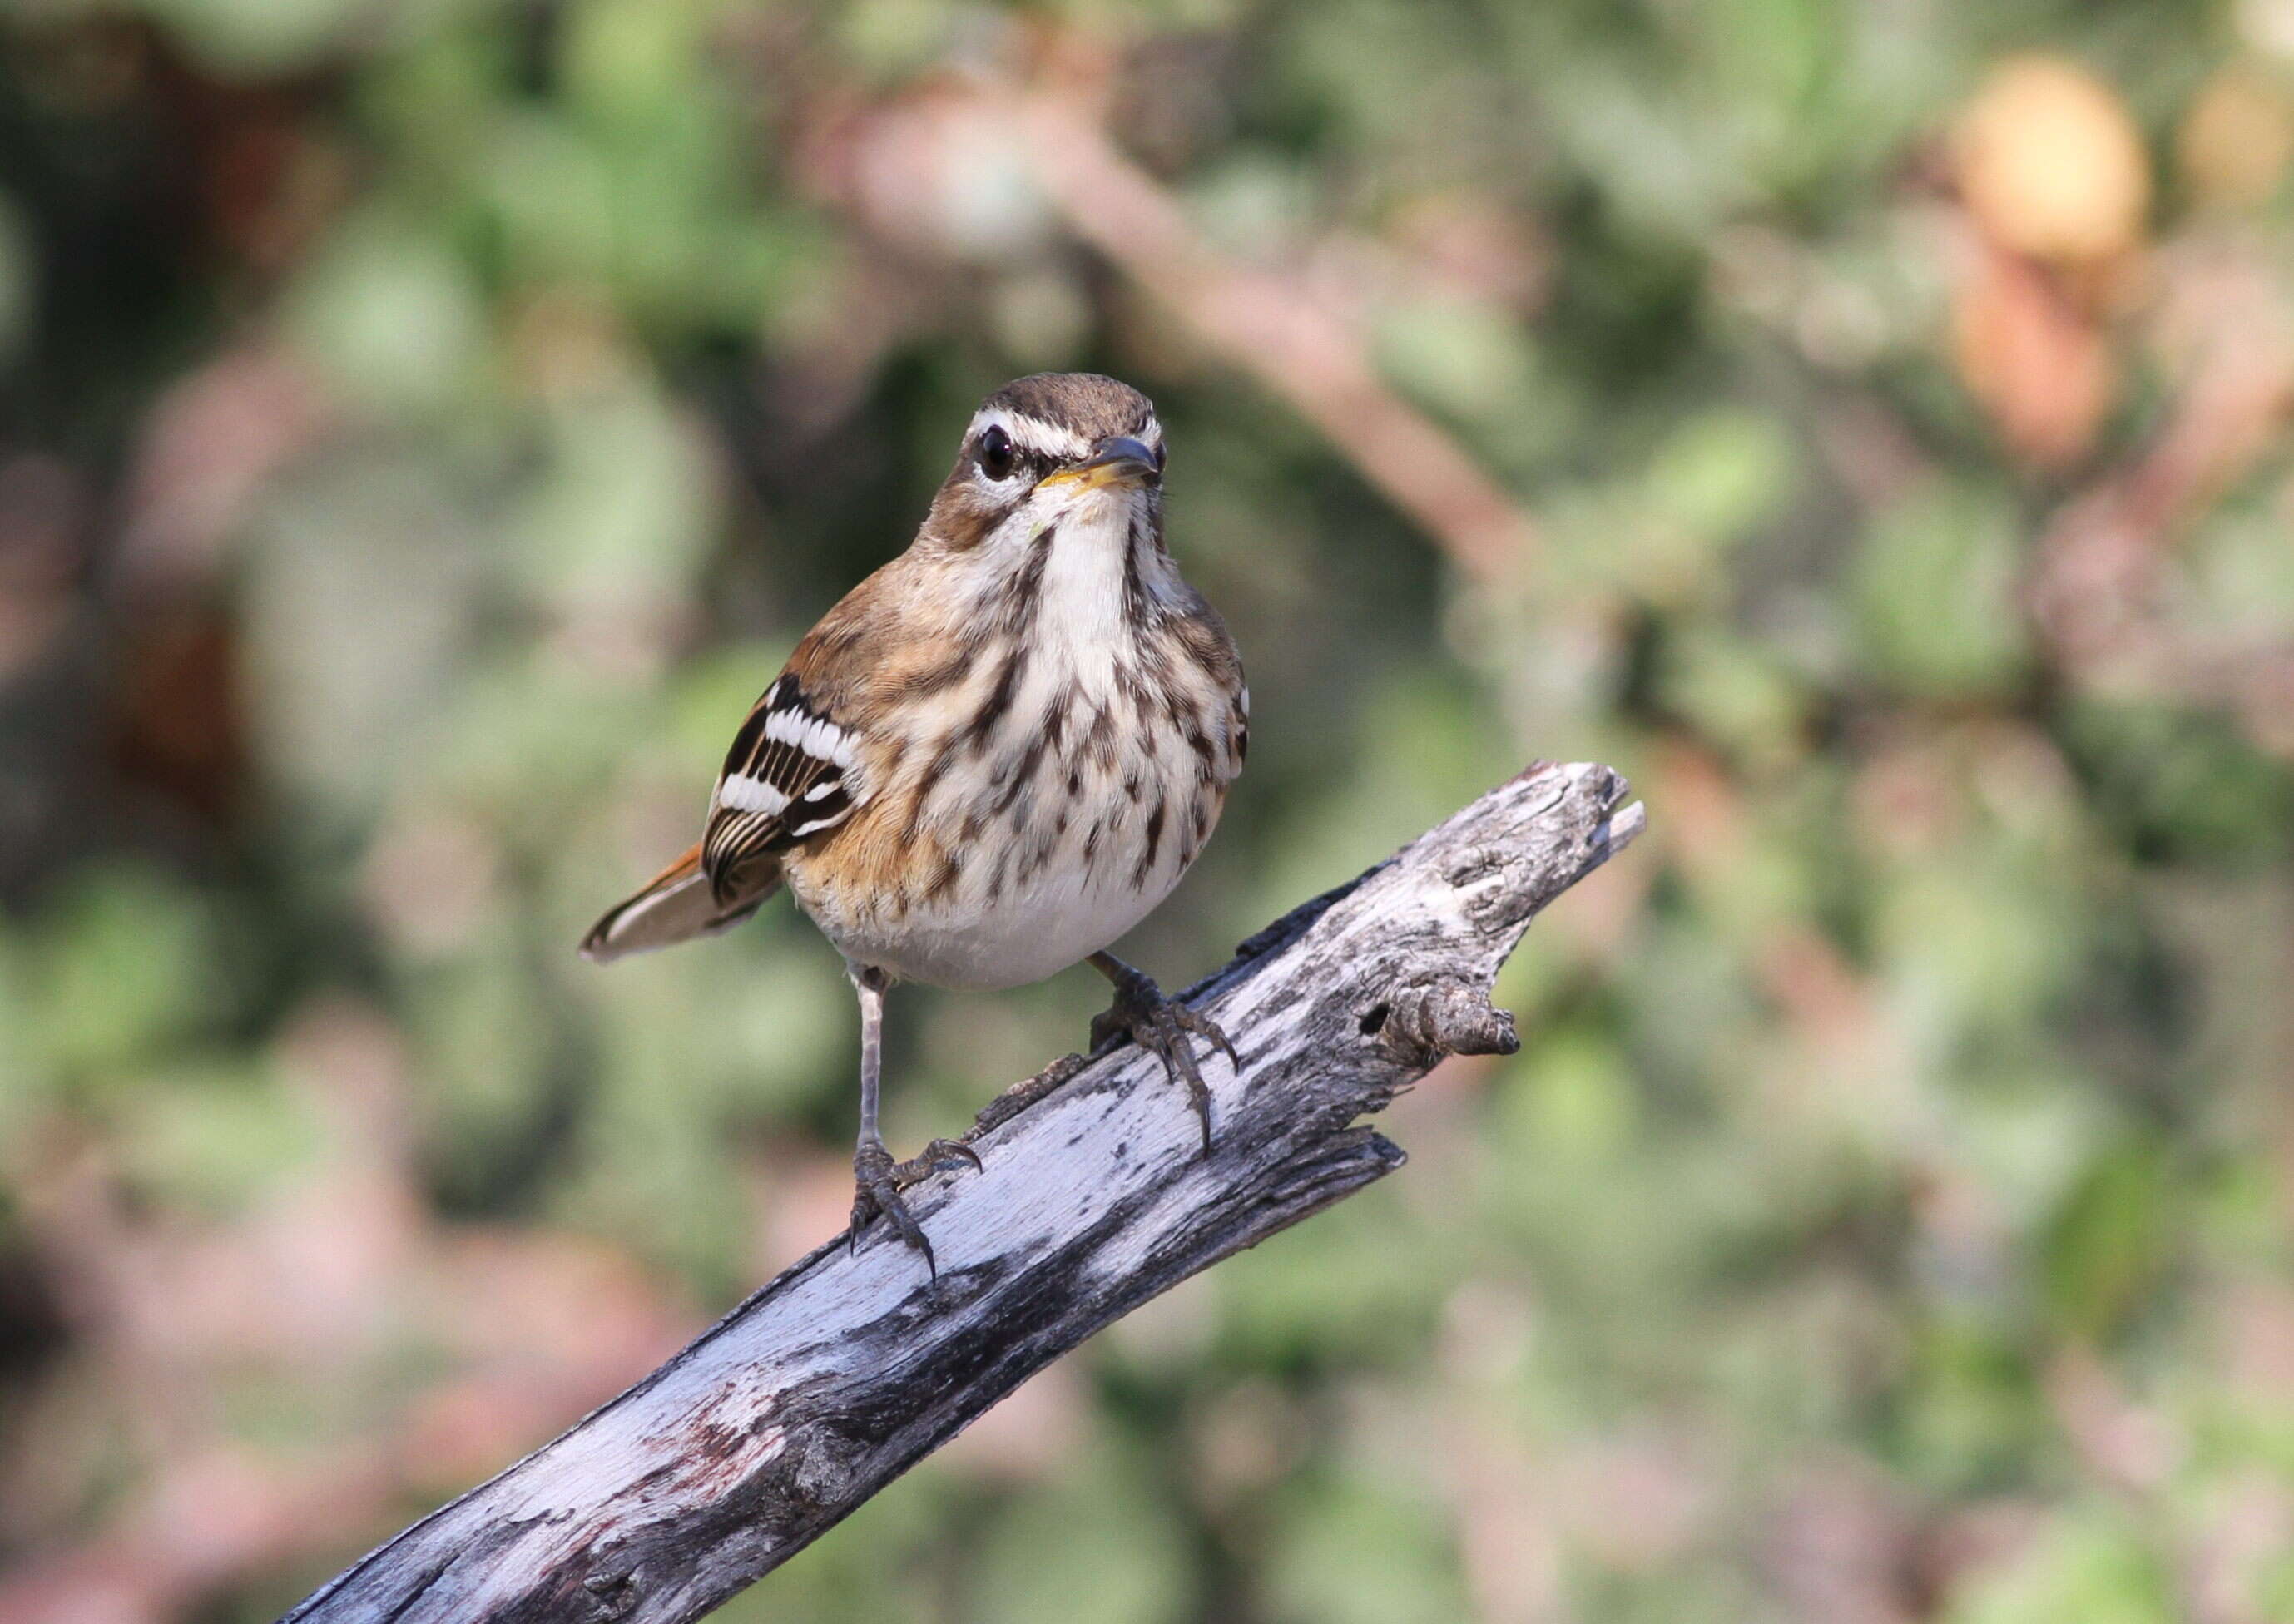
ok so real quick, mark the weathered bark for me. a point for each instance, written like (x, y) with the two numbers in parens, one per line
(837, 1376)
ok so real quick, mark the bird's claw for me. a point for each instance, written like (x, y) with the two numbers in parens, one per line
(1162, 1027)
(878, 1180)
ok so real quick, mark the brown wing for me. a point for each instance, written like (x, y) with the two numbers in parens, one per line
(784, 781)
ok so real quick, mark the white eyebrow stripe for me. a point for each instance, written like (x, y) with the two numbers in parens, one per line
(1033, 433)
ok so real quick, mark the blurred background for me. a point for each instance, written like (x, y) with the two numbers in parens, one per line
(424, 427)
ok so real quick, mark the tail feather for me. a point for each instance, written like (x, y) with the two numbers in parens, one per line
(676, 906)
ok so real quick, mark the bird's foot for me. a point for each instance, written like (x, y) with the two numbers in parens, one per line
(1163, 1026)
(878, 1180)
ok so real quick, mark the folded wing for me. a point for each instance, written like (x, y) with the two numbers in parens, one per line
(786, 779)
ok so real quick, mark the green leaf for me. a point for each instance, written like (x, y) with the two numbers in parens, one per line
(1098, 1548)
(1936, 593)
(2111, 1240)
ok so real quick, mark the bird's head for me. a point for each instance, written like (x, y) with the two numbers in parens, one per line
(1065, 449)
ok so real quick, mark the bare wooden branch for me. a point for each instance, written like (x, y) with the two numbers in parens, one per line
(842, 1373)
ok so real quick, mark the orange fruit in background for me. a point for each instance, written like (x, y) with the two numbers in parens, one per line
(2051, 163)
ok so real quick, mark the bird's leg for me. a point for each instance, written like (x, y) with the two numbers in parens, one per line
(1162, 1027)
(877, 1179)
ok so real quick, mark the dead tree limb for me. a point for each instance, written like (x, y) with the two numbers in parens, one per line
(842, 1373)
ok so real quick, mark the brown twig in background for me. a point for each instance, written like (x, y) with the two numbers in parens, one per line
(2093, 592)
(1269, 326)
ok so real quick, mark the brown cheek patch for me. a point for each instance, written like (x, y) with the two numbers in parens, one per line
(962, 517)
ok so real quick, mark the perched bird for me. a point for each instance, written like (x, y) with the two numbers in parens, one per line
(996, 755)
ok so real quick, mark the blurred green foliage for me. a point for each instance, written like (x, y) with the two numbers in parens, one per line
(424, 427)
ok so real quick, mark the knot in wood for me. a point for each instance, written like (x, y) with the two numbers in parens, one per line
(1477, 864)
(611, 1594)
(1450, 1018)
(825, 1466)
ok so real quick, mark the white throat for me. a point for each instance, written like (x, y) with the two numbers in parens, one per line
(1083, 638)
(1092, 533)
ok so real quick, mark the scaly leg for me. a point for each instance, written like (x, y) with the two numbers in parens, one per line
(877, 1179)
(1160, 1026)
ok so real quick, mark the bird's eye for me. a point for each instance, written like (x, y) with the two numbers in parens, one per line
(1159, 456)
(997, 456)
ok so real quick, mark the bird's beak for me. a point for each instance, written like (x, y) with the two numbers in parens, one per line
(1117, 461)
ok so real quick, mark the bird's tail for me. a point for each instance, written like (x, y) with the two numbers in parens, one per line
(676, 906)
